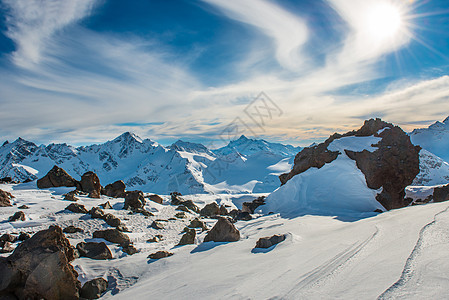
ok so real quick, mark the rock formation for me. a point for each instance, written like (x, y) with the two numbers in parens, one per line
(223, 231)
(56, 177)
(5, 198)
(90, 183)
(115, 190)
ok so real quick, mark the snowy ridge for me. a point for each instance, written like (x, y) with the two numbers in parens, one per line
(434, 139)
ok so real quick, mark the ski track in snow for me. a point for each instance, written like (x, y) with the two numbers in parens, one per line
(415, 279)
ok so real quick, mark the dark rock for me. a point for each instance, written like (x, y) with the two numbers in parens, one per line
(210, 210)
(238, 215)
(441, 194)
(70, 196)
(176, 198)
(8, 238)
(267, 242)
(157, 225)
(5, 198)
(183, 208)
(134, 200)
(181, 215)
(72, 229)
(56, 177)
(160, 254)
(6, 180)
(96, 213)
(196, 223)
(251, 207)
(156, 198)
(18, 216)
(378, 211)
(7, 247)
(156, 239)
(77, 208)
(23, 207)
(24, 236)
(90, 183)
(39, 268)
(106, 205)
(98, 251)
(113, 236)
(191, 206)
(223, 211)
(122, 228)
(129, 249)
(143, 211)
(94, 288)
(112, 220)
(115, 190)
(223, 231)
(188, 237)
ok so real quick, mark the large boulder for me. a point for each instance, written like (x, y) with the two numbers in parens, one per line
(134, 200)
(90, 183)
(156, 198)
(115, 190)
(56, 177)
(94, 250)
(188, 237)
(210, 210)
(94, 288)
(267, 242)
(18, 216)
(39, 268)
(5, 198)
(77, 208)
(223, 231)
(441, 193)
(113, 236)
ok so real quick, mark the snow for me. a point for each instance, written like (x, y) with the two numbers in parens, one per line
(434, 139)
(432, 170)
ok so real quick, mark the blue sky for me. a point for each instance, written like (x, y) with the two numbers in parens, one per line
(84, 71)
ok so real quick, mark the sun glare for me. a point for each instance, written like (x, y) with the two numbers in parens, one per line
(384, 21)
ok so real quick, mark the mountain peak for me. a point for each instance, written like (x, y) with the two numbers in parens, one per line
(128, 136)
(446, 121)
(243, 138)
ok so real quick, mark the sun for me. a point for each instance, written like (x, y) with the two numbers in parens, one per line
(383, 21)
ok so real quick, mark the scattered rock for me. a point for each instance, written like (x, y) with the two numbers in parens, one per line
(98, 251)
(196, 223)
(94, 288)
(70, 196)
(156, 239)
(267, 242)
(134, 200)
(8, 238)
(223, 231)
(441, 194)
(176, 198)
(7, 247)
(223, 211)
(5, 198)
(56, 177)
(113, 236)
(23, 207)
(90, 183)
(160, 254)
(238, 215)
(143, 211)
(39, 268)
(23, 236)
(106, 205)
(190, 205)
(96, 213)
(6, 180)
(129, 249)
(157, 225)
(250, 207)
(115, 190)
(112, 220)
(72, 229)
(188, 237)
(183, 208)
(77, 208)
(181, 215)
(18, 216)
(156, 198)
(210, 210)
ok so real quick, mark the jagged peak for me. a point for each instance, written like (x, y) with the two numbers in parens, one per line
(5, 143)
(243, 138)
(127, 136)
(446, 121)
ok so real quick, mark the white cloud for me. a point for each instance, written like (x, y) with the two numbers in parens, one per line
(32, 22)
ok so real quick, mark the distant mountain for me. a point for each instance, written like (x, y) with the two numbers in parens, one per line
(243, 166)
(434, 139)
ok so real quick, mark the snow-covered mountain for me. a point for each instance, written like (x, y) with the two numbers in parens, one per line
(245, 165)
(434, 139)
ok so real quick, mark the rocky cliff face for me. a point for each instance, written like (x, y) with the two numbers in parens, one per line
(392, 166)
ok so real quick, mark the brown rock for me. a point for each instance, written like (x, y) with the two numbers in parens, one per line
(196, 223)
(113, 236)
(134, 200)
(156, 198)
(267, 242)
(39, 268)
(56, 177)
(90, 183)
(250, 207)
(112, 220)
(23, 207)
(188, 237)
(98, 251)
(70, 196)
(157, 225)
(77, 208)
(72, 229)
(8, 238)
(130, 249)
(5, 198)
(160, 254)
(18, 216)
(441, 194)
(94, 288)
(24, 236)
(106, 205)
(223, 231)
(210, 210)
(115, 190)
(7, 248)
(96, 213)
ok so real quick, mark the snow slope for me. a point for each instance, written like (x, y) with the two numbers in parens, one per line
(432, 170)
(402, 253)
(434, 139)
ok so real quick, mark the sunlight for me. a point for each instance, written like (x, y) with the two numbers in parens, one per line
(383, 22)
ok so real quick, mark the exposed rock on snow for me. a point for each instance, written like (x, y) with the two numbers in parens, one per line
(5, 198)
(223, 231)
(90, 183)
(56, 177)
(210, 210)
(432, 170)
(250, 207)
(441, 194)
(134, 200)
(18, 216)
(96, 213)
(267, 242)
(160, 254)
(40, 268)
(130, 249)
(72, 229)
(434, 139)
(93, 289)
(70, 196)
(106, 205)
(113, 236)
(77, 208)
(156, 198)
(188, 237)
(197, 223)
(94, 250)
(115, 190)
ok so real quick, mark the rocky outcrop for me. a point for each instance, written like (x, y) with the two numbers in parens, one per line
(56, 177)
(18, 216)
(77, 208)
(160, 254)
(94, 288)
(250, 207)
(113, 236)
(39, 268)
(5, 198)
(267, 242)
(441, 193)
(223, 231)
(188, 237)
(70, 196)
(134, 200)
(156, 198)
(115, 190)
(98, 251)
(130, 249)
(210, 210)
(96, 213)
(90, 183)
(106, 205)
(72, 229)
